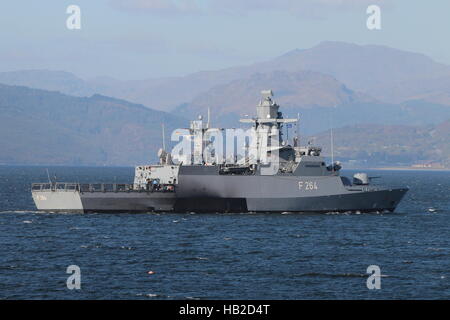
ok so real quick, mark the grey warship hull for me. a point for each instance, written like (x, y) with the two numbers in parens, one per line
(70, 197)
(373, 201)
(226, 194)
(202, 192)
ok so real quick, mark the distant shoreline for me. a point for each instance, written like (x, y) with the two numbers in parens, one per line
(411, 169)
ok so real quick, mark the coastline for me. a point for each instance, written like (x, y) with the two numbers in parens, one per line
(410, 169)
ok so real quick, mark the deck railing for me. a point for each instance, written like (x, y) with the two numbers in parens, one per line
(95, 187)
(60, 186)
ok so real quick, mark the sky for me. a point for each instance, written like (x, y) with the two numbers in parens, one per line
(139, 39)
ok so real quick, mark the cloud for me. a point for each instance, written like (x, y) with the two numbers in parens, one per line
(311, 8)
(165, 7)
(305, 8)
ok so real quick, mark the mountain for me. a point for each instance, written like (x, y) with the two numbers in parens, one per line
(386, 74)
(319, 99)
(64, 82)
(161, 93)
(44, 127)
(389, 144)
(304, 89)
(363, 89)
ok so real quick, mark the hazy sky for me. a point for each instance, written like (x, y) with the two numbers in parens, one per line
(153, 38)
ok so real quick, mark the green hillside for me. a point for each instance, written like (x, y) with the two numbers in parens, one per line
(44, 127)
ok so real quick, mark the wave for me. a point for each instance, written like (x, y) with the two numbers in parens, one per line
(338, 275)
(21, 211)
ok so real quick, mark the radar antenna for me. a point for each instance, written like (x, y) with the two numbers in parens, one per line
(332, 139)
(48, 176)
(163, 137)
(209, 118)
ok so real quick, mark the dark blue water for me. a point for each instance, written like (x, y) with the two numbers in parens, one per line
(223, 256)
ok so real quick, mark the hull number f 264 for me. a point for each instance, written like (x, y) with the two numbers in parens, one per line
(307, 185)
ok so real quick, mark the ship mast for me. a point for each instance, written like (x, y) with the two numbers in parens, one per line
(163, 137)
(268, 122)
(267, 113)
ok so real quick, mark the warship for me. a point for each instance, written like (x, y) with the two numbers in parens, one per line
(271, 175)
